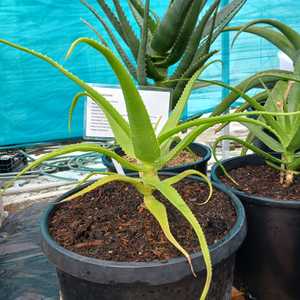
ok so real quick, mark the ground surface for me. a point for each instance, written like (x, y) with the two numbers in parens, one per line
(25, 273)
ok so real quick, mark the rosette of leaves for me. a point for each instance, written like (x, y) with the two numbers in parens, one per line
(279, 91)
(138, 139)
(180, 41)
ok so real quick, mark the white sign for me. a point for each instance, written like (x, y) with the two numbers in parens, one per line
(157, 103)
(285, 63)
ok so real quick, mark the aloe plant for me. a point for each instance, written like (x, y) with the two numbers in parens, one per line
(138, 139)
(179, 41)
(275, 95)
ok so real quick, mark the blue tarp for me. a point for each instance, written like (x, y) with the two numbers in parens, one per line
(35, 98)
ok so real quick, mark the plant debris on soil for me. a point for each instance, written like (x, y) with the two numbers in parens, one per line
(263, 181)
(111, 223)
(184, 157)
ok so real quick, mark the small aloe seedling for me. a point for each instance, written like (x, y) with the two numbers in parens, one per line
(138, 139)
(179, 42)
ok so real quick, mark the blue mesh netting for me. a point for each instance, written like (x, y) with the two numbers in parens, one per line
(35, 98)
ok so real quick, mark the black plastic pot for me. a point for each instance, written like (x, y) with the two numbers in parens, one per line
(88, 278)
(268, 263)
(199, 165)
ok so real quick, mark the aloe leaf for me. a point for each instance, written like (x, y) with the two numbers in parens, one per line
(292, 36)
(193, 43)
(203, 124)
(265, 138)
(108, 109)
(158, 74)
(79, 148)
(181, 83)
(112, 18)
(132, 41)
(269, 77)
(104, 180)
(255, 149)
(91, 27)
(121, 135)
(143, 136)
(159, 211)
(138, 18)
(92, 174)
(174, 179)
(178, 110)
(115, 41)
(139, 7)
(175, 199)
(276, 38)
(225, 15)
(141, 72)
(166, 33)
(184, 35)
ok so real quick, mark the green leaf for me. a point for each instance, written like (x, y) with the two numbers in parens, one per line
(292, 36)
(131, 40)
(143, 136)
(78, 148)
(121, 135)
(175, 199)
(104, 180)
(276, 38)
(193, 43)
(184, 35)
(269, 77)
(166, 33)
(178, 110)
(172, 180)
(114, 40)
(225, 16)
(137, 4)
(141, 73)
(158, 210)
(90, 26)
(181, 83)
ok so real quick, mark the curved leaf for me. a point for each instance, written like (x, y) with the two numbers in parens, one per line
(104, 180)
(114, 40)
(292, 35)
(158, 210)
(143, 136)
(166, 33)
(276, 38)
(175, 199)
(184, 35)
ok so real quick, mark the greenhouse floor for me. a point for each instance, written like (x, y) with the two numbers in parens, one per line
(25, 273)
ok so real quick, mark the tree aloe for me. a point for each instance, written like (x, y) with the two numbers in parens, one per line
(138, 140)
(179, 40)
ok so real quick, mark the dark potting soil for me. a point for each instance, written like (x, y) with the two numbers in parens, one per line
(111, 223)
(184, 157)
(263, 181)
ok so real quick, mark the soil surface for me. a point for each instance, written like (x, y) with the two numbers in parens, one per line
(111, 223)
(263, 181)
(184, 157)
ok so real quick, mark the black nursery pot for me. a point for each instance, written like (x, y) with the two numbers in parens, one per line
(87, 278)
(200, 165)
(268, 263)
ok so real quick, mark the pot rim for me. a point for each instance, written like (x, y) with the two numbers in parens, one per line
(260, 200)
(175, 268)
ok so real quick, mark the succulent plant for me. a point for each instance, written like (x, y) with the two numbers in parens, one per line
(279, 91)
(170, 49)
